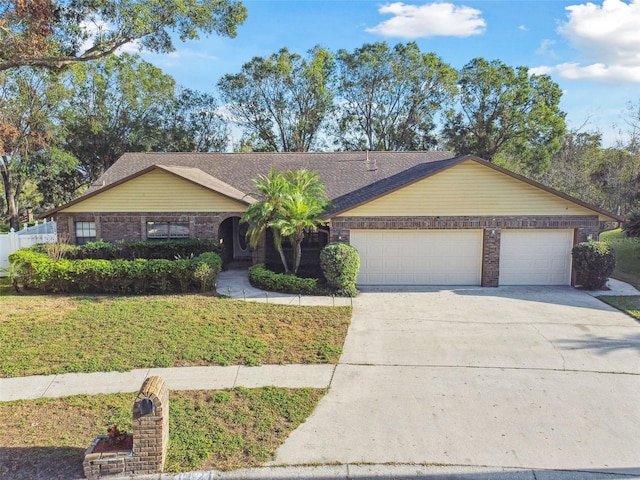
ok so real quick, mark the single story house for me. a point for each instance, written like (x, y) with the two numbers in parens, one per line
(416, 218)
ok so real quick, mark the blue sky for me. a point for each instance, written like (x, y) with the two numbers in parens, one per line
(591, 49)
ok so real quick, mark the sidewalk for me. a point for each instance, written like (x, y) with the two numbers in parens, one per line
(179, 378)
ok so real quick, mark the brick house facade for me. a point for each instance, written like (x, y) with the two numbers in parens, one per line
(207, 194)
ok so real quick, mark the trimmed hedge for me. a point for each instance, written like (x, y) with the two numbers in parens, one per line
(261, 277)
(168, 250)
(138, 276)
(594, 263)
(340, 264)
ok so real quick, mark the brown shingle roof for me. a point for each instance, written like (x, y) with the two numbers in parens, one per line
(342, 172)
(351, 178)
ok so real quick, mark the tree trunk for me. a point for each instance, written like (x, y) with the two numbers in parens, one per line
(283, 258)
(297, 255)
(9, 196)
(297, 251)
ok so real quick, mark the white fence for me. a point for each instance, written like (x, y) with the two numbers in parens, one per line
(44, 232)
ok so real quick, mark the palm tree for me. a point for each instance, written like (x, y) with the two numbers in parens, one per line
(300, 213)
(272, 190)
(288, 203)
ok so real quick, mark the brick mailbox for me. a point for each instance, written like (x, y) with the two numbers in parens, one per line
(150, 437)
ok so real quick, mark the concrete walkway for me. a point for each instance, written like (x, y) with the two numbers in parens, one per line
(180, 378)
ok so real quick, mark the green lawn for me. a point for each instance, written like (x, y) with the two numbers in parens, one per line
(627, 256)
(629, 304)
(45, 334)
(222, 430)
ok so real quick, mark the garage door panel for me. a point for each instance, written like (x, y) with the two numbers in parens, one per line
(535, 257)
(419, 257)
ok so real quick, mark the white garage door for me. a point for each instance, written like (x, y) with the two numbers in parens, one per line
(419, 257)
(535, 257)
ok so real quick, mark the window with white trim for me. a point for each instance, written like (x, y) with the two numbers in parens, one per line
(167, 230)
(85, 232)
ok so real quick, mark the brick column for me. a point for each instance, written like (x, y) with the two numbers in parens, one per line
(151, 426)
(491, 257)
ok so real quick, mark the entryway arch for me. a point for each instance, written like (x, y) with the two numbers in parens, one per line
(231, 235)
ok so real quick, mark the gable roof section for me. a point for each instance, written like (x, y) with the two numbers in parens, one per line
(192, 175)
(197, 176)
(351, 178)
(420, 172)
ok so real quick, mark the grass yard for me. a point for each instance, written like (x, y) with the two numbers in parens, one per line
(222, 430)
(46, 334)
(628, 304)
(627, 256)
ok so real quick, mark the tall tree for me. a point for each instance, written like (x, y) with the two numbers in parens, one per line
(571, 167)
(28, 108)
(389, 97)
(55, 33)
(193, 124)
(281, 101)
(117, 106)
(505, 111)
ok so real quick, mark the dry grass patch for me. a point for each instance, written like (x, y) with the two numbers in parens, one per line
(36, 306)
(46, 438)
(102, 333)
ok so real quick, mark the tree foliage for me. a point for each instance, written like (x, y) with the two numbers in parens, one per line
(390, 96)
(606, 177)
(117, 106)
(288, 204)
(192, 123)
(28, 108)
(505, 112)
(281, 101)
(56, 33)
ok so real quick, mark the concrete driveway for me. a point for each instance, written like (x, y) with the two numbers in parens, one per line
(524, 377)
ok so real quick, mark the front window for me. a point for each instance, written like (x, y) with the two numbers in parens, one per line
(167, 230)
(85, 232)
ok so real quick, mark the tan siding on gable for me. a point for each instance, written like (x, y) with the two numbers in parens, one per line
(157, 191)
(467, 188)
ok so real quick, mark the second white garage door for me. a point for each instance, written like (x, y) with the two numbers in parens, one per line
(535, 257)
(419, 257)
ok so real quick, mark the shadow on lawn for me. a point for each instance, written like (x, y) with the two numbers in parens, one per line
(41, 463)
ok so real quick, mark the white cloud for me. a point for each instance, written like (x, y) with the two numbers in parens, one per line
(93, 27)
(541, 70)
(430, 20)
(546, 49)
(608, 38)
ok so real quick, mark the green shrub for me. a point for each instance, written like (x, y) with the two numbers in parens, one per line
(631, 227)
(593, 262)
(137, 276)
(167, 250)
(261, 277)
(340, 264)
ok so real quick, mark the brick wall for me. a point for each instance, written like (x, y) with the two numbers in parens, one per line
(112, 227)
